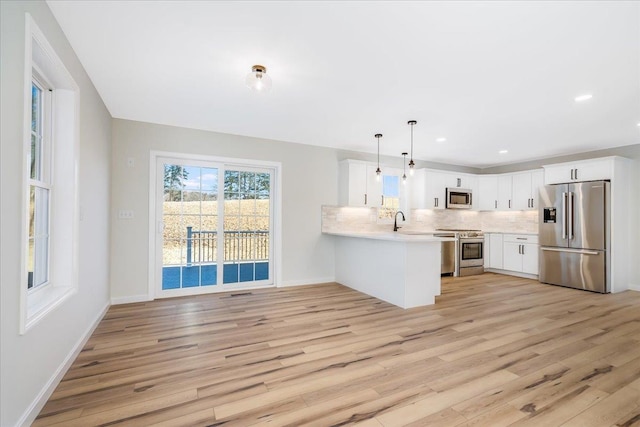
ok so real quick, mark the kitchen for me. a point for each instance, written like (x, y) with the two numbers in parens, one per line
(504, 236)
(498, 93)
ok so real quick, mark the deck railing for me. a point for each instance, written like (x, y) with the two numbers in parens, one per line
(242, 245)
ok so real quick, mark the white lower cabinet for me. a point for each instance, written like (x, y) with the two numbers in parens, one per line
(493, 250)
(520, 253)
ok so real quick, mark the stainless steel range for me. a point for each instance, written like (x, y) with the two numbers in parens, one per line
(468, 252)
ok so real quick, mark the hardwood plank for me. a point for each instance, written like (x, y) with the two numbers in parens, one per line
(494, 350)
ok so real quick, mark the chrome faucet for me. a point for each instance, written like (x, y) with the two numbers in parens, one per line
(395, 220)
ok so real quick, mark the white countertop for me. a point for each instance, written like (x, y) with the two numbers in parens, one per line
(510, 232)
(409, 237)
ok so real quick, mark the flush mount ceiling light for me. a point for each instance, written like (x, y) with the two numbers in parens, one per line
(258, 80)
(404, 168)
(378, 171)
(503, 151)
(441, 140)
(583, 98)
(412, 165)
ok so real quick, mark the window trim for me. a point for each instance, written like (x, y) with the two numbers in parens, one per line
(41, 61)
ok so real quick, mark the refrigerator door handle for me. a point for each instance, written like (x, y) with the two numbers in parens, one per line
(564, 215)
(574, 251)
(570, 216)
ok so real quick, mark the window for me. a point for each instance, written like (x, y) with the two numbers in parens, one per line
(50, 215)
(390, 197)
(39, 187)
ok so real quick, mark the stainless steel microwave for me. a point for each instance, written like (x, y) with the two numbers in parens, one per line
(458, 198)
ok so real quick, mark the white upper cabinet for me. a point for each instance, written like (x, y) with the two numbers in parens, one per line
(510, 191)
(586, 170)
(435, 189)
(525, 189)
(357, 184)
(505, 186)
(487, 197)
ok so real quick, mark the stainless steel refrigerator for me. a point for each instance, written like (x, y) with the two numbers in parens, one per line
(574, 227)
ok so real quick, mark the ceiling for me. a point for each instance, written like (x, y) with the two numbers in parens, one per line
(487, 76)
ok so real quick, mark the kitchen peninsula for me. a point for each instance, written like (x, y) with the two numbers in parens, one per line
(399, 268)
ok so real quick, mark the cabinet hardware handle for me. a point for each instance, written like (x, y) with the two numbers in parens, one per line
(532, 203)
(528, 203)
(365, 198)
(509, 203)
(521, 238)
(459, 182)
(435, 202)
(496, 204)
(382, 202)
(575, 174)
(522, 249)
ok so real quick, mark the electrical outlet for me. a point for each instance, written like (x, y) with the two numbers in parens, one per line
(124, 214)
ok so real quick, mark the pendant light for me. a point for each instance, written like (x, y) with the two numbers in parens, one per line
(404, 168)
(258, 80)
(411, 163)
(378, 171)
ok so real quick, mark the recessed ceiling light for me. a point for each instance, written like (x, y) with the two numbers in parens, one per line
(584, 97)
(441, 140)
(638, 123)
(503, 151)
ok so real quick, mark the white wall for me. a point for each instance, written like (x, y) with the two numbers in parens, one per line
(309, 180)
(29, 363)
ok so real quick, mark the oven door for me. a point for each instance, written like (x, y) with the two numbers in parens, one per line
(471, 252)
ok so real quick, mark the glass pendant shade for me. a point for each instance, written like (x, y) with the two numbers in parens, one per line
(258, 80)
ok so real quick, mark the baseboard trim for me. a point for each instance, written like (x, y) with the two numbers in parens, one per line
(306, 282)
(634, 287)
(512, 273)
(38, 403)
(130, 299)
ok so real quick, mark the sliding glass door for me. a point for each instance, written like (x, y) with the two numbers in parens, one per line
(217, 226)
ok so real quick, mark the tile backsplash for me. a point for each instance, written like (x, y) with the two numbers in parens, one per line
(335, 218)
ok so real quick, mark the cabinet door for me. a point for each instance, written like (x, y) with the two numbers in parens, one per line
(521, 191)
(512, 256)
(418, 189)
(495, 254)
(557, 174)
(352, 182)
(530, 258)
(537, 181)
(487, 250)
(587, 170)
(504, 193)
(436, 189)
(487, 198)
(374, 186)
(593, 170)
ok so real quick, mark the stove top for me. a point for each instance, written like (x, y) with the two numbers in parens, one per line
(463, 233)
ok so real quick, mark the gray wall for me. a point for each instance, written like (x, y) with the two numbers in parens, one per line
(309, 180)
(629, 151)
(30, 362)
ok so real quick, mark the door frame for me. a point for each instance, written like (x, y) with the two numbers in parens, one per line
(155, 223)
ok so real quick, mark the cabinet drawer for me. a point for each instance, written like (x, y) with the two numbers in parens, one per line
(521, 238)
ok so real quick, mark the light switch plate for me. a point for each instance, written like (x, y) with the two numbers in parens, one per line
(125, 214)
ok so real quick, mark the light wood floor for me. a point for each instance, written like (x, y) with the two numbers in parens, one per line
(494, 350)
